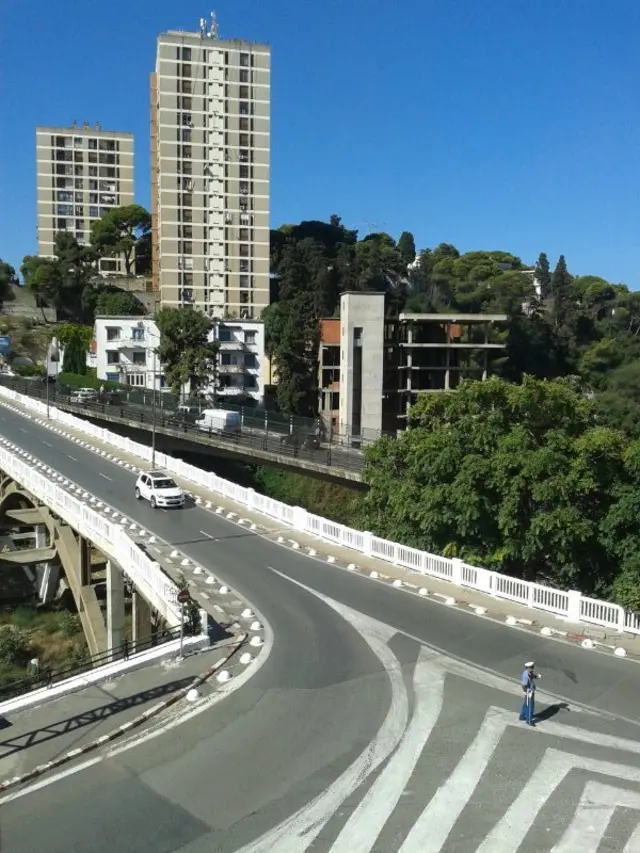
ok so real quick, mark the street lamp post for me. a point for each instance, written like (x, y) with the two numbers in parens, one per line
(153, 409)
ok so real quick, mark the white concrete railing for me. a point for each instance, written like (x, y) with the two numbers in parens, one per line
(571, 605)
(107, 535)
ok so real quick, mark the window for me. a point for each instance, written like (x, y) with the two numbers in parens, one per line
(186, 152)
(244, 75)
(77, 142)
(135, 379)
(107, 158)
(113, 356)
(79, 210)
(186, 71)
(79, 183)
(93, 172)
(184, 103)
(113, 333)
(64, 196)
(65, 210)
(244, 170)
(139, 358)
(93, 157)
(107, 145)
(250, 337)
(244, 92)
(243, 124)
(186, 231)
(137, 334)
(244, 60)
(185, 87)
(93, 144)
(244, 108)
(187, 248)
(185, 134)
(224, 335)
(93, 212)
(186, 54)
(113, 377)
(107, 265)
(250, 360)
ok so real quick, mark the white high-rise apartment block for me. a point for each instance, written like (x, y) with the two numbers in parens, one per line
(210, 117)
(82, 172)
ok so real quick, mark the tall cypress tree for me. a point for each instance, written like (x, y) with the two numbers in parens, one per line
(543, 276)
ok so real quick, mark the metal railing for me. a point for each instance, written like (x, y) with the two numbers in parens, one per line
(275, 435)
(47, 677)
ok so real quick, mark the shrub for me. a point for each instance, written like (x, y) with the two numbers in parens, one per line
(24, 616)
(13, 646)
(69, 623)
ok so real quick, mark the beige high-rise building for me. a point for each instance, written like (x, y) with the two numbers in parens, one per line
(82, 172)
(210, 117)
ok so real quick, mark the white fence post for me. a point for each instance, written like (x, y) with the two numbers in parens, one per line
(456, 571)
(573, 611)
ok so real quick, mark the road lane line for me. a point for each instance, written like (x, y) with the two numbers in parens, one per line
(430, 832)
(72, 457)
(367, 821)
(47, 443)
(208, 535)
(299, 831)
(100, 474)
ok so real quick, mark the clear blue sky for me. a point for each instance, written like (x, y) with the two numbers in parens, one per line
(490, 125)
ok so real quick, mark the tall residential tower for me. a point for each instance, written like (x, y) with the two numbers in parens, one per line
(82, 172)
(210, 117)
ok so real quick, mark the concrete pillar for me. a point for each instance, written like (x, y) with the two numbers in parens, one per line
(84, 547)
(115, 606)
(42, 536)
(141, 618)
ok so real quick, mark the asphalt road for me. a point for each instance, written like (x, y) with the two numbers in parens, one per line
(333, 698)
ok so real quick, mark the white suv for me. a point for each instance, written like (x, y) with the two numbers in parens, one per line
(159, 489)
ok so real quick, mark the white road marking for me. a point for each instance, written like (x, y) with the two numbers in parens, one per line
(430, 832)
(367, 821)
(298, 832)
(100, 474)
(208, 535)
(507, 835)
(22, 429)
(47, 443)
(72, 457)
(137, 740)
(633, 844)
(593, 815)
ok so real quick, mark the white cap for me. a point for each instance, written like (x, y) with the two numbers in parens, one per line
(529, 664)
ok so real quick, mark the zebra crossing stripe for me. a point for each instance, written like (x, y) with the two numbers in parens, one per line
(432, 828)
(368, 819)
(633, 844)
(593, 815)
(506, 836)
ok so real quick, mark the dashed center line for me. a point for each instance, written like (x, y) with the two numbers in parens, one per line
(47, 443)
(100, 474)
(72, 457)
(208, 535)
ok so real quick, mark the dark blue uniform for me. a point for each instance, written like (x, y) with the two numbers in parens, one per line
(528, 682)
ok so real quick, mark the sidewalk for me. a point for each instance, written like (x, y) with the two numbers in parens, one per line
(440, 590)
(42, 734)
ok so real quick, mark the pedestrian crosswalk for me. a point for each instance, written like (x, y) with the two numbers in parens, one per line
(452, 770)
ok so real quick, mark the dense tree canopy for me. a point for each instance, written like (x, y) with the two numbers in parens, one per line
(188, 356)
(121, 231)
(518, 477)
(113, 302)
(7, 278)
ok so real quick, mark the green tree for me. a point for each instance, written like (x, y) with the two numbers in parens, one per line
(7, 278)
(65, 281)
(512, 477)
(186, 351)
(120, 232)
(407, 248)
(543, 275)
(112, 303)
(75, 341)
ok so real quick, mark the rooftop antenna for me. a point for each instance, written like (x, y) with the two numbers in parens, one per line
(203, 28)
(214, 31)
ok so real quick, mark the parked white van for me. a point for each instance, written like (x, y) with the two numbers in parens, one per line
(218, 421)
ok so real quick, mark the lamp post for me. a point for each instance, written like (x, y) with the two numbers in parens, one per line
(153, 409)
(53, 357)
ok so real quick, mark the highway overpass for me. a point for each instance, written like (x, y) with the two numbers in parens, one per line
(381, 722)
(257, 443)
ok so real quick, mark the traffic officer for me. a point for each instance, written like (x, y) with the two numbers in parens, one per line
(528, 683)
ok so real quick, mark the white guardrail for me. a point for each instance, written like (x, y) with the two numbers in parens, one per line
(109, 536)
(571, 604)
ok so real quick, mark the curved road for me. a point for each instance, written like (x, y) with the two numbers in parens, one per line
(278, 765)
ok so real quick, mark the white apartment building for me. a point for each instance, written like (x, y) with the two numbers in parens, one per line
(125, 352)
(210, 140)
(82, 172)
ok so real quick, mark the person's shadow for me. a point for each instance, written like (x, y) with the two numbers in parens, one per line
(550, 711)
